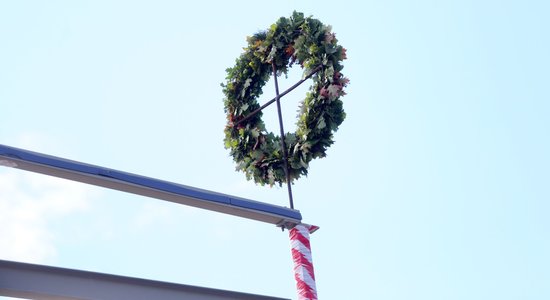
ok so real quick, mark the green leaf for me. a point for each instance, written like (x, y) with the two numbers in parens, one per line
(272, 54)
(303, 163)
(245, 86)
(330, 49)
(321, 123)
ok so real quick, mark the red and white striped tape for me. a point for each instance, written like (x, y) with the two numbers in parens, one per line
(303, 263)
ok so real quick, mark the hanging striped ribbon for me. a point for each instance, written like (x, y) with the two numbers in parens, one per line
(303, 263)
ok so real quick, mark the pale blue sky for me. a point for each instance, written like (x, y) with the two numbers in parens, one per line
(437, 186)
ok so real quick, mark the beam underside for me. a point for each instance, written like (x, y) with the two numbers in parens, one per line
(40, 282)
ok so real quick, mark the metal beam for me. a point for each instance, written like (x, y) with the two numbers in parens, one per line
(149, 187)
(32, 281)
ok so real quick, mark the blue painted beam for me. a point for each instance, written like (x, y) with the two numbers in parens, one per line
(147, 186)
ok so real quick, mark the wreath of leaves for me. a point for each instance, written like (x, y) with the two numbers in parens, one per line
(296, 40)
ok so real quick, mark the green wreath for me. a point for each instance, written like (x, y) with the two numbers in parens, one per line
(295, 40)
